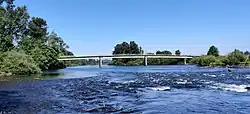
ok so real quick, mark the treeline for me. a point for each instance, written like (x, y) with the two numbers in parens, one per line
(134, 48)
(85, 62)
(26, 46)
(236, 58)
(164, 61)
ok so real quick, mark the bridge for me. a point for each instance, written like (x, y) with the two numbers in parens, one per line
(143, 56)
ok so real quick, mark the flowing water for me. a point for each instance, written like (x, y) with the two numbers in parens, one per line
(151, 89)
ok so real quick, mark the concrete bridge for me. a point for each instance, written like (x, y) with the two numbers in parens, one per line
(144, 56)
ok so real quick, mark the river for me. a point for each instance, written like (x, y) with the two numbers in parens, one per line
(138, 89)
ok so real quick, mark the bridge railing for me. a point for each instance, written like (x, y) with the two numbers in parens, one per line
(129, 55)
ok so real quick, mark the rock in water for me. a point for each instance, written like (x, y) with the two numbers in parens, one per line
(229, 70)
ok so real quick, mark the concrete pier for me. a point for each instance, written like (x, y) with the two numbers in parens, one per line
(185, 61)
(100, 62)
(145, 60)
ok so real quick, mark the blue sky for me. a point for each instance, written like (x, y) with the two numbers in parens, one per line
(93, 27)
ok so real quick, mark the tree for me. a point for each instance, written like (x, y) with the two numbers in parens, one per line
(134, 48)
(164, 52)
(28, 37)
(38, 29)
(213, 51)
(178, 52)
(126, 48)
(13, 24)
(246, 53)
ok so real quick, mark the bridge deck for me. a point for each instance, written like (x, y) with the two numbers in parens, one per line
(123, 56)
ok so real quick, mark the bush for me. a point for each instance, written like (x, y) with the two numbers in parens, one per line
(135, 62)
(247, 63)
(236, 57)
(46, 58)
(17, 63)
(217, 62)
(206, 60)
(194, 60)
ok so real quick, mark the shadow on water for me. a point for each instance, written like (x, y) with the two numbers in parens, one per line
(47, 75)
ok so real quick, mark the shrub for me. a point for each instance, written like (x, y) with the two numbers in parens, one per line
(206, 60)
(217, 62)
(236, 57)
(135, 62)
(17, 63)
(194, 60)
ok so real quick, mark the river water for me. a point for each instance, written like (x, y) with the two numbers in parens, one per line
(147, 90)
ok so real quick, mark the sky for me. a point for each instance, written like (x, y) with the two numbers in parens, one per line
(94, 27)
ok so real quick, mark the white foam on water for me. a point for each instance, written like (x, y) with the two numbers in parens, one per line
(247, 76)
(208, 82)
(212, 75)
(162, 88)
(231, 87)
(222, 74)
(183, 82)
(130, 81)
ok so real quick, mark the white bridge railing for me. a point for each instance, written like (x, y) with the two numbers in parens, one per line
(144, 56)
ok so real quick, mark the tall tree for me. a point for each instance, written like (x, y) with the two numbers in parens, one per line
(28, 36)
(178, 52)
(13, 24)
(213, 51)
(38, 29)
(126, 48)
(134, 49)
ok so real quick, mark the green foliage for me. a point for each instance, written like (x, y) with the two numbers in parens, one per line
(135, 62)
(194, 60)
(126, 48)
(18, 63)
(177, 52)
(206, 60)
(164, 52)
(28, 35)
(236, 57)
(13, 21)
(213, 51)
(83, 62)
(247, 53)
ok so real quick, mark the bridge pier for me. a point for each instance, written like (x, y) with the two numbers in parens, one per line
(145, 61)
(100, 62)
(185, 61)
